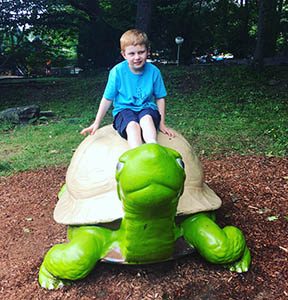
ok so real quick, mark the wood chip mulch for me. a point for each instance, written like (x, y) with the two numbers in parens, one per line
(254, 191)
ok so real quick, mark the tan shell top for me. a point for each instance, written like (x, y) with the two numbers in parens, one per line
(91, 197)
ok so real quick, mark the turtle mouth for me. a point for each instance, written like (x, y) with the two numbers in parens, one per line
(151, 194)
(153, 184)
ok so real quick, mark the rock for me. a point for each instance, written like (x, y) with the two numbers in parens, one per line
(273, 82)
(47, 113)
(20, 115)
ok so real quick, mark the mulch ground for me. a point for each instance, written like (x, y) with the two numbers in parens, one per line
(254, 191)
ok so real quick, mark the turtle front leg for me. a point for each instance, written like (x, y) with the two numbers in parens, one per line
(219, 246)
(76, 259)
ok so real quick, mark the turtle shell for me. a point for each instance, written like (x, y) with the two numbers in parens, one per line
(90, 194)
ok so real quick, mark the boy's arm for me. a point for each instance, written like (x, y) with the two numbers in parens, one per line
(102, 110)
(161, 107)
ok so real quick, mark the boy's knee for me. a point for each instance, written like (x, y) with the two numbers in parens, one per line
(147, 122)
(133, 125)
(146, 118)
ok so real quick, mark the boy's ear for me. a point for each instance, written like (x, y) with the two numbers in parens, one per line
(123, 54)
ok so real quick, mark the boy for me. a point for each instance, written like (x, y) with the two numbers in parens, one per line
(137, 91)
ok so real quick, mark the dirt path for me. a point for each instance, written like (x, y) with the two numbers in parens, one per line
(254, 191)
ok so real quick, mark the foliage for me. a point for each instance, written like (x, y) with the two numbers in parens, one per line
(89, 30)
(205, 26)
(220, 110)
(34, 31)
(119, 14)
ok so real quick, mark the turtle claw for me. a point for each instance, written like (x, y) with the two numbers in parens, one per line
(52, 285)
(243, 264)
(48, 281)
(238, 267)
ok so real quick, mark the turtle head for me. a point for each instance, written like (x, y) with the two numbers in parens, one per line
(149, 178)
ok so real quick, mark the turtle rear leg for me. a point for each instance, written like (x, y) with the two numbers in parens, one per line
(219, 246)
(73, 260)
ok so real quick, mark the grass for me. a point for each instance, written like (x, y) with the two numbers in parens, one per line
(219, 109)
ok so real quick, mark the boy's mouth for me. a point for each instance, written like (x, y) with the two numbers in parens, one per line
(137, 63)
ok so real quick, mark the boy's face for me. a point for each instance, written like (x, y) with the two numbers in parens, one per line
(136, 57)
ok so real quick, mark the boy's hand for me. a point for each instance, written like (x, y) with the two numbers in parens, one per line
(166, 130)
(91, 129)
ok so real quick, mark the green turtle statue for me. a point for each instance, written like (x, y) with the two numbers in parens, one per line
(156, 208)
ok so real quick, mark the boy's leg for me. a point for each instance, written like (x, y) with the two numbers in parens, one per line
(126, 123)
(149, 131)
(133, 131)
(149, 122)
(133, 126)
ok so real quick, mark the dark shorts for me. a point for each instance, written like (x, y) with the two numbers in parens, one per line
(125, 116)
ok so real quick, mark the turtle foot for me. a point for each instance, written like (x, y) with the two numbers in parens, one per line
(243, 264)
(48, 281)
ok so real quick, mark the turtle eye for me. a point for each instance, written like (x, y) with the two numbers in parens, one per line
(180, 162)
(119, 166)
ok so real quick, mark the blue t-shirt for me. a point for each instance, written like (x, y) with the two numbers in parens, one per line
(134, 91)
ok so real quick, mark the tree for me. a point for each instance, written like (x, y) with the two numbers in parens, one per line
(282, 26)
(98, 41)
(93, 28)
(143, 17)
(266, 32)
(27, 28)
(14, 20)
(242, 39)
(271, 27)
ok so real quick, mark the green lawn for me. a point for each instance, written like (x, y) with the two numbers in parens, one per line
(219, 109)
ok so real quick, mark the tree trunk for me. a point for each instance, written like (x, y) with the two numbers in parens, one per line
(259, 50)
(98, 42)
(282, 27)
(243, 36)
(90, 7)
(200, 6)
(267, 32)
(143, 17)
(271, 28)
